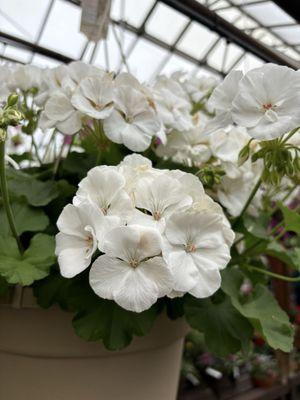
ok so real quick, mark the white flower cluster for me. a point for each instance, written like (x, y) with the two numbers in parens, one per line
(265, 100)
(73, 96)
(157, 230)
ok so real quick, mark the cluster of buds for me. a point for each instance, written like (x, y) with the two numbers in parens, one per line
(210, 175)
(280, 158)
(9, 115)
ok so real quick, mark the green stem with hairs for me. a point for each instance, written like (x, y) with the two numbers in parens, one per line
(272, 274)
(5, 198)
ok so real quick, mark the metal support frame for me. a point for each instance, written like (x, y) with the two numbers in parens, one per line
(24, 44)
(203, 15)
(195, 12)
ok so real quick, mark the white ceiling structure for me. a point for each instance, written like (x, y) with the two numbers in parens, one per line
(147, 37)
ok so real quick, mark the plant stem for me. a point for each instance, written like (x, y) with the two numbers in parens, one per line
(253, 193)
(57, 161)
(272, 274)
(292, 133)
(5, 198)
(36, 150)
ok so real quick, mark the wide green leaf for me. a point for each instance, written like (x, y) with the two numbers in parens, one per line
(261, 309)
(24, 186)
(225, 329)
(34, 264)
(291, 219)
(27, 219)
(114, 325)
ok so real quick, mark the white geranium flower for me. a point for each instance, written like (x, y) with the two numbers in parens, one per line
(94, 96)
(104, 188)
(160, 197)
(226, 145)
(267, 102)
(187, 147)
(132, 272)
(196, 250)
(172, 104)
(198, 87)
(25, 77)
(221, 101)
(203, 203)
(135, 167)
(60, 113)
(82, 230)
(234, 192)
(133, 122)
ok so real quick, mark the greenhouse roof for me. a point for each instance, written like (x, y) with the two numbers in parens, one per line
(151, 37)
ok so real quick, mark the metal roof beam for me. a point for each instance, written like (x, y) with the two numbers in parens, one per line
(213, 21)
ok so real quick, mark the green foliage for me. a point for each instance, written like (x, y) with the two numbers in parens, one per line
(288, 256)
(4, 287)
(280, 159)
(27, 219)
(261, 309)
(225, 329)
(35, 192)
(34, 264)
(95, 319)
(258, 227)
(175, 307)
(291, 219)
(114, 325)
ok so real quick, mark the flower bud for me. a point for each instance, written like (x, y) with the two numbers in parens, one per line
(12, 116)
(12, 100)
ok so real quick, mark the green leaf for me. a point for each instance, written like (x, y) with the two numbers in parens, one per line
(175, 307)
(257, 226)
(225, 329)
(71, 294)
(36, 193)
(4, 287)
(287, 256)
(261, 309)
(27, 219)
(34, 264)
(291, 219)
(51, 290)
(41, 251)
(78, 164)
(114, 325)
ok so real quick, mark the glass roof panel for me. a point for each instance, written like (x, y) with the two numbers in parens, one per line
(61, 32)
(196, 40)
(42, 61)
(21, 18)
(112, 60)
(145, 58)
(249, 61)
(290, 34)
(25, 19)
(268, 13)
(129, 11)
(230, 14)
(22, 55)
(165, 23)
(176, 63)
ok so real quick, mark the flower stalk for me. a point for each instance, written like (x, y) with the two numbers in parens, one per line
(273, 274)
(5, 198)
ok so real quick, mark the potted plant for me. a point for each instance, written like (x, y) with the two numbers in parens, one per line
(121, 205)
(263, 371)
